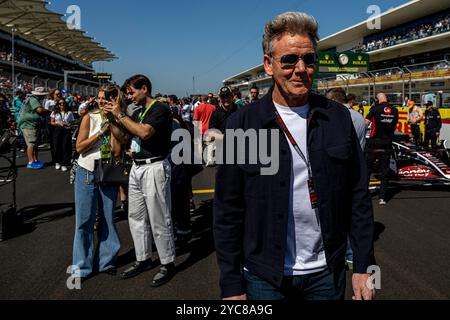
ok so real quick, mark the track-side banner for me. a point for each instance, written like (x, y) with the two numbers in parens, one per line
(348, 62)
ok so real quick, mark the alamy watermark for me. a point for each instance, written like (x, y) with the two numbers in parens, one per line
(237, 147)
(73, 20)
(74, 280)
(374, 21)
(374, 281)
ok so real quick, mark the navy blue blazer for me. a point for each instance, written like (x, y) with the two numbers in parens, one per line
(251, 210)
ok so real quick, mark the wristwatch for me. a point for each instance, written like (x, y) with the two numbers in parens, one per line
(121, 115)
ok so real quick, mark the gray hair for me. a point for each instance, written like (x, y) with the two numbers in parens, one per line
(293, 23)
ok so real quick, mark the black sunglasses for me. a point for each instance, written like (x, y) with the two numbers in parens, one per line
(290, 60)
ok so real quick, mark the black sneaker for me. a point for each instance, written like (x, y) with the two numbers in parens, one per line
(136, 269)
(166, 272)
(110, 271)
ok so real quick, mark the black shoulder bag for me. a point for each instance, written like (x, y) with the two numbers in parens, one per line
(114, 171)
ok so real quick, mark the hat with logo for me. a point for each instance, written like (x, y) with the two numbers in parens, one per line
(39, 91)
(225, 92)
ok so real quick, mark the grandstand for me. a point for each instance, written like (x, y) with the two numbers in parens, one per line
(44, 48)
(409, 56)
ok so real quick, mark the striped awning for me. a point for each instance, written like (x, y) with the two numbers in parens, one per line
(32, 21)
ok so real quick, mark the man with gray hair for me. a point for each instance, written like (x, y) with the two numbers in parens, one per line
(284, 236)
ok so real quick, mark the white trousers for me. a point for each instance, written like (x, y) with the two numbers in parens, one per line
(149, 211)
(210, 147)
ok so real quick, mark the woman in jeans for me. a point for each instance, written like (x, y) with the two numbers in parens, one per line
(98, 138)
(62, 135)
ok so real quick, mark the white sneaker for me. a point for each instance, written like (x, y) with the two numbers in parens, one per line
(64, 169)
(382, 202)
(57, 166)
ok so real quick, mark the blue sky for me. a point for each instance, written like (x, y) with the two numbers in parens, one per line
(173, 41)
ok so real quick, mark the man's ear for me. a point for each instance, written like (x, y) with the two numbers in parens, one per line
(268, 65)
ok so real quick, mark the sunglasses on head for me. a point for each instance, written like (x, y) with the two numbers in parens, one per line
(290, 60)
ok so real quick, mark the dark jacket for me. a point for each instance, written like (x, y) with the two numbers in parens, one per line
(219, 118)
(251, 210)
(432, 119)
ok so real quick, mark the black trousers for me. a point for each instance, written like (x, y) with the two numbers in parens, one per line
(415, 129)
(51, 140)
(62, 146)
(431, 135)
(379, 149)
(180, 193)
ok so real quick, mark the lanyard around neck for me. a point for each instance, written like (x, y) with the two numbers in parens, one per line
(293, 142)
(142, 115)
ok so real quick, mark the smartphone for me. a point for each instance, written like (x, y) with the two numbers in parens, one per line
(109, 96)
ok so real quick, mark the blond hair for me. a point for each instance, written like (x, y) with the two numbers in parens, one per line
(115, 92)
(293, 23)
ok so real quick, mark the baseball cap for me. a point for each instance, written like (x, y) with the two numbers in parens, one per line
(225, 91)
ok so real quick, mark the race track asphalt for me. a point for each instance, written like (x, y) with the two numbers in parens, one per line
(412, 245)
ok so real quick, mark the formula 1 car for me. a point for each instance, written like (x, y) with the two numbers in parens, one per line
(414, 165)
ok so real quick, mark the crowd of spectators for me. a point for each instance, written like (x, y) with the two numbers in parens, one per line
(33, 59)
(441, 65)
(408, 34)
(30, 59)
(6, 85)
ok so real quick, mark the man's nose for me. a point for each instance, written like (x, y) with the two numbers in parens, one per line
(300, 67)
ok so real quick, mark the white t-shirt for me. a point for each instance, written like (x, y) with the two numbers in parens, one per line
(50, 105)
(360, 126)
(63, 117)
(305, 253)
(87, 159)
(187, 112)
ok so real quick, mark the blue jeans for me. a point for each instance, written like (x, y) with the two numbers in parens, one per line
(325, 285)
(89, 198)
(349, 253)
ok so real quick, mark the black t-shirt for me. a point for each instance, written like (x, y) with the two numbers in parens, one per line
(160, 118)
(219, 118)
(384, 120)
(432, 119)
